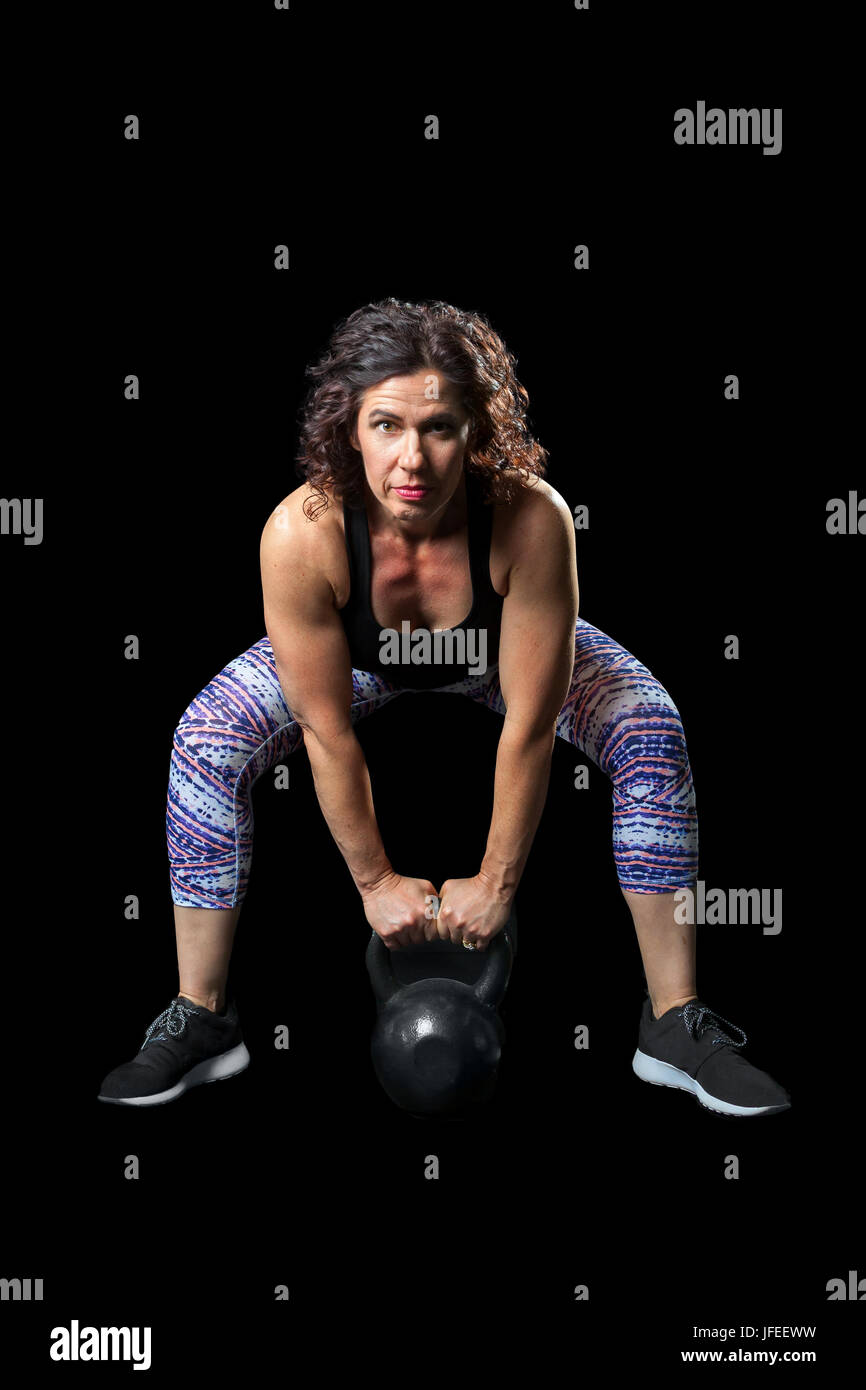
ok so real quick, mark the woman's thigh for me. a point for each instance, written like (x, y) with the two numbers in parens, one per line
(608, 686)
(233, 731)
(612, 697)
(623, 719)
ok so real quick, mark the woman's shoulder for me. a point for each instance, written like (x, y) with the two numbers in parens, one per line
(534, 501)
(300, 526)
(304, 512)
(534, 519)
(310, 548)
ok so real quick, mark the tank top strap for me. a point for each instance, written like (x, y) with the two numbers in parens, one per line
(358, 551)
(480, 526)
(486, 599)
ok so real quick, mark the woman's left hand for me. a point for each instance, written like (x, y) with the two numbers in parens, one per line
(471, 909)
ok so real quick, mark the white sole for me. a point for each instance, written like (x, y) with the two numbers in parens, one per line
(664, 1074)
(230, 1063)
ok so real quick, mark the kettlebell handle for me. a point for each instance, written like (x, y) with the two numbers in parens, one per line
(491, 985)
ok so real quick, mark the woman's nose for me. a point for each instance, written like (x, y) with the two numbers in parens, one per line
(411, 454)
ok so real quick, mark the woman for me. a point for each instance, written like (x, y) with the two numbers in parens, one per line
(425, 551)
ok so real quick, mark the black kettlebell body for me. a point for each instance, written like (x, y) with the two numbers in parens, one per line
(437, 1042)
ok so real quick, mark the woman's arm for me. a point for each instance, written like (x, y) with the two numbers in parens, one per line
(536, 663)
(315, 672)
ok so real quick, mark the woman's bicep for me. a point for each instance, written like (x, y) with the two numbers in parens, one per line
(539, 613)
(308, 639)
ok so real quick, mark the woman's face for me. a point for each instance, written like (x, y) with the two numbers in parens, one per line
(412, 432)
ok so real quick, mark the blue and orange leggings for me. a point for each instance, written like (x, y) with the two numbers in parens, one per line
(617, 714)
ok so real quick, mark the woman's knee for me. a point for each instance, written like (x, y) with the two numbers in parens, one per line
(646, 754)
(225, 753)
(240, 716)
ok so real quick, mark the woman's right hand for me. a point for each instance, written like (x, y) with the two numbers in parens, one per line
(396, 910)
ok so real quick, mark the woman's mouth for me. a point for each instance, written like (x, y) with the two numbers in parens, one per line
(412, 492)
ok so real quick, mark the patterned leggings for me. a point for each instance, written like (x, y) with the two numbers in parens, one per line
(616, 713)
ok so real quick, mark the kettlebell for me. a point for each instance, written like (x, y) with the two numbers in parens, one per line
(437, 1041)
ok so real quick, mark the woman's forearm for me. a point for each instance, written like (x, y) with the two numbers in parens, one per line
(342, 784)
(519, 793)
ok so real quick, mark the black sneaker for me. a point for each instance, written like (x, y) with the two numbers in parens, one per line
(185, 1046)
(688, 1048)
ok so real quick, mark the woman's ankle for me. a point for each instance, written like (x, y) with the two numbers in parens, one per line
(661, 1003)
(213, 1001)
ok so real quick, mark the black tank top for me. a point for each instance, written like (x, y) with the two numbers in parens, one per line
(420, 659)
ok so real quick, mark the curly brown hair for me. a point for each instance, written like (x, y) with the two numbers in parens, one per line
(393, 338)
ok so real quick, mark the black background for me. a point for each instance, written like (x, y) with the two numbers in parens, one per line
(707, 517)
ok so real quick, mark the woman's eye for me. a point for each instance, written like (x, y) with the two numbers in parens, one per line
(444, 428)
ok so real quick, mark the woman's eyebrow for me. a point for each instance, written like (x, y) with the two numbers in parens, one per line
(389, 415)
